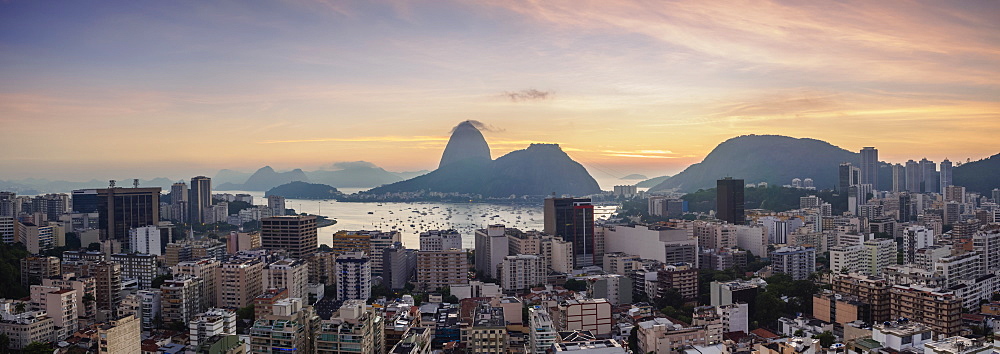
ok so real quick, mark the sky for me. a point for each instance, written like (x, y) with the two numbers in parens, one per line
(92, 89)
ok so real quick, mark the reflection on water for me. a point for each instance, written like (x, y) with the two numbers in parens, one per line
(412, 218)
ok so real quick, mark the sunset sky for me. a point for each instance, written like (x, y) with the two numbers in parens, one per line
(98, 89)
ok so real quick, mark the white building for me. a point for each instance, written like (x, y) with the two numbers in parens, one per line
(476, 289)
(276, 204)
(901, 336)
(798, 262)
(292, 274)
(149, 306)
(146, 239)
(521, 272)
(353, 276)
(753, 239)
(542, 332)
(440, 240)
(667, 245)
(916, 237)
(60, 304)
(210, 323)
(491, 248)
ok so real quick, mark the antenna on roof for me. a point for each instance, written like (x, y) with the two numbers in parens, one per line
(135, 183)
(112, 183)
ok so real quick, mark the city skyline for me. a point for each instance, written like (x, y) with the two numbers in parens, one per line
(182, 89)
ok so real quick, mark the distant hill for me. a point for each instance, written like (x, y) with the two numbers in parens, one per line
(773, 159)
(266, 178)
(541, 169)
(651, 182)
(979, 176)
(355, 174)
(304, 190)
(635, 176)
(229, 176)
(772, 198)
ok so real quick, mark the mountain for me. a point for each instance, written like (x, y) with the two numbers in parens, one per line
(541, 169)
(354, 174)
(230, 176)
(651, 182)
(266, 178)
(773, 159)
(978, 176)
(466, 143)
(635, 176)
(304, 190)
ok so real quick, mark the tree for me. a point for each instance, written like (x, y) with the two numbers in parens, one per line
(158, 281)
(245, 313)
(178, 326)
(452, 299)
(575, 285)
(826, 339)
(4, 343)
(768, 309)
(37, 348)
(633, 339)
(19, 308)
(94, 246)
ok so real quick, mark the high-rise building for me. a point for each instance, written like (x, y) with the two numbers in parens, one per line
(291, 274)
(199, 198)
(898, 178)
(945, 175)
(915, 237)
(928, 170)
(277, 205)
(207, 269)
(573, 220)
(870, 290)
(8, 227)
(869, 167)
(211, 323)
(542, 332)
(521, 272)
(296, 234)
(914, 177)
(120, 210)
(438, 269)
(729, 200)
(60, 304)
(798, 262)
(139, 266)
(682, 278)
(238, 282)
(849, 175)
(8, 204)
(354, 328)
(120, 336)
(492, 245)
(354, 276)
(290, 327)
(399, 264)
(107, 276)
(180, 202)
(440, 240)
(37, 238)
(36, 268)
(180, 299)
(941, 311)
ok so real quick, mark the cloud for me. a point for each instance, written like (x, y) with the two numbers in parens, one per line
(388, 139)
(527, 95)
(479, 125)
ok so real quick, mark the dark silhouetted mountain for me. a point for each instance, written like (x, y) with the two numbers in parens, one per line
(541, 169)
(266, 178)
(978, 176)
(466, 143)
(304, 190)
(635, 176)
(230, 176)
(651, 182)
(773, 159)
